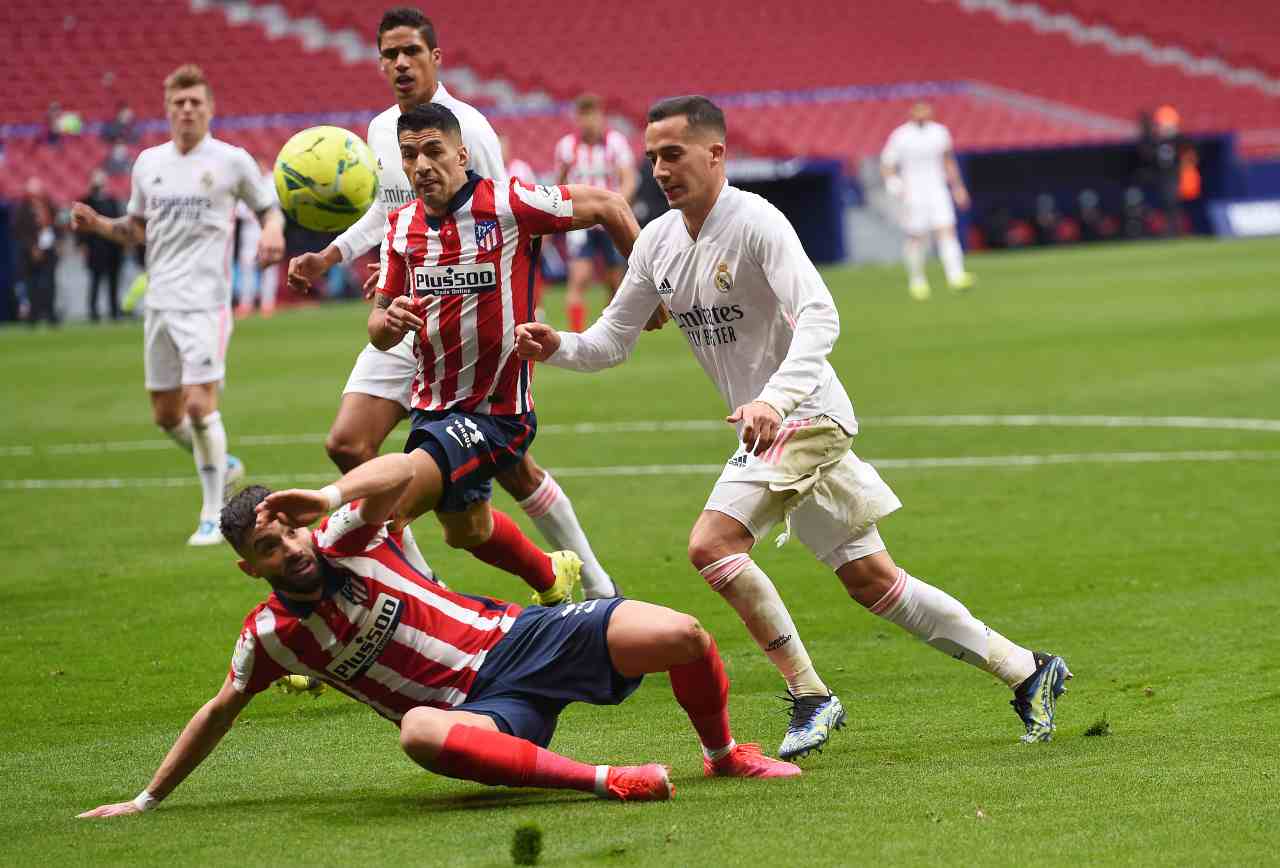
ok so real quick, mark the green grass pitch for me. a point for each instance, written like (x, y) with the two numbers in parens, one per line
(1146, 554)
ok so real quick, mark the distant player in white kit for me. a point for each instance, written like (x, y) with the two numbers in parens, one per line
(599, 157)
(182, 205)
(377, 394)
(920, 170)
(759, 318)
(254, 284)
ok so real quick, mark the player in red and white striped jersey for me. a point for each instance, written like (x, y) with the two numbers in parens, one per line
(476, 685)
(457, 269)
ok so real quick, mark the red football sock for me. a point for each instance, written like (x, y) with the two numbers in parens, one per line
(509, 549)
(498, 759)
(702, 689)
(577, 313)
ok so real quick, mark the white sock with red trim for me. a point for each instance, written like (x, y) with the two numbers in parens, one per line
(552, 514)
(209, 446)
(944, 623)
(757, 602)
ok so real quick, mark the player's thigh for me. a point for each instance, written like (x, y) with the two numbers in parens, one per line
(521, 479)
(363, 422)
(423, 730)
(161, 358)
(202, 337)
(645, 638)
(737, 513)
(386, 374)
(580, 273)
(166, 407)
(424, 490)
(200, 400)
(468, 528)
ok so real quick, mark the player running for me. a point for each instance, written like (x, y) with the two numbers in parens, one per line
(760, 320)
(377, 394)
(474, 684)
(457, 270)
(601, 157)
(182, 206)
(919, 164)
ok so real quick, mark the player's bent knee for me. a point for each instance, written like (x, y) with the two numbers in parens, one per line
(705, 550)
(346, 452)
(422, 734)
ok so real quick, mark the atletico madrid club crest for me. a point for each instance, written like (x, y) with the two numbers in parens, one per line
(488, 237)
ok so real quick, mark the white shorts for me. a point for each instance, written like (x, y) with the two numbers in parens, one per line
(385, 373)
(927, 210)
(828, 496)
(185, 347)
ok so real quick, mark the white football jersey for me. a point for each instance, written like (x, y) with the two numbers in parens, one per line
(917, 151)
(394, 189)
(756, 313)
(188, 201)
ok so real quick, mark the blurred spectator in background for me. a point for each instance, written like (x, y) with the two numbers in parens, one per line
(53, 124)
(1162, 149)
(118, 161)
(254, 283)
(122, 127)
(35, 235)
(1135, 213)
(103, 257)
(1095, 225)
(516, 167)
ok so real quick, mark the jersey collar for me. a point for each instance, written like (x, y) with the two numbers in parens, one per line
(459, 199)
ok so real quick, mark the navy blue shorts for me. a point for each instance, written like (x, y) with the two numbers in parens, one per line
(469, 448)
(552, 656)
(594, 243)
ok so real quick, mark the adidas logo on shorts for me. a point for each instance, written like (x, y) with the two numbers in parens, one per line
(738, 460)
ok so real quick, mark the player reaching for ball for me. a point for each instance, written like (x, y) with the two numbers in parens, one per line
(474, 684)
(182, 205)
(759, 318)
(377, 394)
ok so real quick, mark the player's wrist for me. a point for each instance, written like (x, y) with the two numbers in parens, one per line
(332, 496)
(144, 801)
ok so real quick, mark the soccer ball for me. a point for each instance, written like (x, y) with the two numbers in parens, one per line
(326, 178)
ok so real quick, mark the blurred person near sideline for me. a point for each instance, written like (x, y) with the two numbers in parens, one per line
(35, 235)
(103, 257)
(920, 170)
(597, 156)
(516, 167)
(254, 282)
(122, 128)
(1171, 156)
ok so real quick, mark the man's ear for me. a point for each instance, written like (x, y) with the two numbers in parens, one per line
(717, 152)
(464, 158)
(246, 568)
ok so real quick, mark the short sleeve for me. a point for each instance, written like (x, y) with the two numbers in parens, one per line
(137, 206)
(252, 670)
(392, 274)
(564, 152)
(890, 153)
(345, 533)
(251, 189)
(947, 144)
(541, 210)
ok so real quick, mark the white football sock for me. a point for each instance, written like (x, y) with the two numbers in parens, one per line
(552, 514)
(413, 554)
(944, 623)
(952, 257)
(754, 597)
(181, 433)
(209, 445)
(913, 252)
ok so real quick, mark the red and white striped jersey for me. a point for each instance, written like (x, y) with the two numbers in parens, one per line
(382, 633)
(598, 164)
(474, 267)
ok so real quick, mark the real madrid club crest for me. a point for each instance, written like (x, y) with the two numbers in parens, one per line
(206, 180)
(723, 279)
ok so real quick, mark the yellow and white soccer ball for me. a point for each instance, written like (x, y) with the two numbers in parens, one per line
(326, 178)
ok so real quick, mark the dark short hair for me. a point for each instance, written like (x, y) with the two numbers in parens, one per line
(702, 113)
(429, 116)
(588, 102)
(407, 16)
(240, 514)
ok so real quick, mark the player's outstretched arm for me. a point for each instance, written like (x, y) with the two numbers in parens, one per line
(122, 230)
(378, 484)
(595, 206)
(198, 739)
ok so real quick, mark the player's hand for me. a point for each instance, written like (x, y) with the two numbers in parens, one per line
(270, 247)
(760, 424)
(370, 287)
(658, 318)
(405, 314)
(536, 341)
(296, 507)
(83, 217)
(304, 270)
(961, 195)
(119, 809)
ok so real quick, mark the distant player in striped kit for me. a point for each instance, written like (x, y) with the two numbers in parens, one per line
(601, 157)
(457, 270)
(475, 685)
(376, 395)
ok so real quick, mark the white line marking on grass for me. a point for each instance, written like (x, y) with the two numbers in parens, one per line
(1206, 423)
(986, 461)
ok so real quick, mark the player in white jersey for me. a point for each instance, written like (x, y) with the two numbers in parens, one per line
(598, 157)
(182, 205)
(759, 318)
(919, 165)
(254, 283)
(377, 393)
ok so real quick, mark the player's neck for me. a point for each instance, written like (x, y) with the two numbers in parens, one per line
(420, 99)
(695, 214)
(186, 145)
